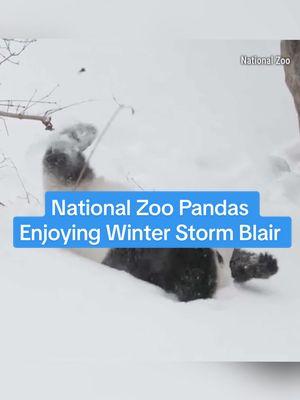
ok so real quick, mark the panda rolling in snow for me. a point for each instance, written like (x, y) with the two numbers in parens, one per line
(188, 273)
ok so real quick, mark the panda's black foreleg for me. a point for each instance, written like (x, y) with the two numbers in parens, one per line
(246, 265)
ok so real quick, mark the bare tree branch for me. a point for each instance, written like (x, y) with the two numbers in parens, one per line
(44, 119)
(11, 49)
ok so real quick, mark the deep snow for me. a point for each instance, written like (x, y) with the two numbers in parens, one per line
(202, 121)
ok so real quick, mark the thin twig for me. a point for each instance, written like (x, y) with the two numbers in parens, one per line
(131, 178)
(52, 111)
(12, 54)
(25, 101)
(119, 108)
(5, 125)
(137, 184)
(50, 93)
(13, 165)
(30, 100)
(41, 100)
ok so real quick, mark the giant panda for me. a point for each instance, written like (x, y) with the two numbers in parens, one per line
(187, 273)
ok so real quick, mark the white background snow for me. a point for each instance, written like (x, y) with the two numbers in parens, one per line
(202, 121)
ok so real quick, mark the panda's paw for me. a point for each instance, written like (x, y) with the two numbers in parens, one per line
(266, 266)
(245, 266)
(80, 135)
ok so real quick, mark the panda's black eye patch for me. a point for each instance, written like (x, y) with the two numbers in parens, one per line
(66, 165)
(55, 158)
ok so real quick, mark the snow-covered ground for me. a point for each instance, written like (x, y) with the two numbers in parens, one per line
(202, 121)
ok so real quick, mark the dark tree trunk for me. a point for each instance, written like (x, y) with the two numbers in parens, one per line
(291, 49)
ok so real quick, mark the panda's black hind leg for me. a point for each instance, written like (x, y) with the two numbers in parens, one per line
(194, 274)
(190, 274)
(246, 265)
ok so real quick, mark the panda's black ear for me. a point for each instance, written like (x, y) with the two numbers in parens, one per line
(65, 163)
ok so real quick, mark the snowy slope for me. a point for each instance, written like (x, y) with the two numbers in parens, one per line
(202, 121)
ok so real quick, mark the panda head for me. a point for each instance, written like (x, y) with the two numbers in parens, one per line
(63, 162)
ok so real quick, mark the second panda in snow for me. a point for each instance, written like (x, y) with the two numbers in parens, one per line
(188, 273)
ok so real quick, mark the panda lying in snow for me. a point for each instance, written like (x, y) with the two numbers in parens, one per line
(188, 273)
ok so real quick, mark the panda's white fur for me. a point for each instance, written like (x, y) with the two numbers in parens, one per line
(223, 268)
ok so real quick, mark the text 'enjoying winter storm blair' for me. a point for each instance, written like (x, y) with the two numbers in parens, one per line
(152, 219)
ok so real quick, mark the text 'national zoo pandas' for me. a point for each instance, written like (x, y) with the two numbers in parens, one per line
(188, 273)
